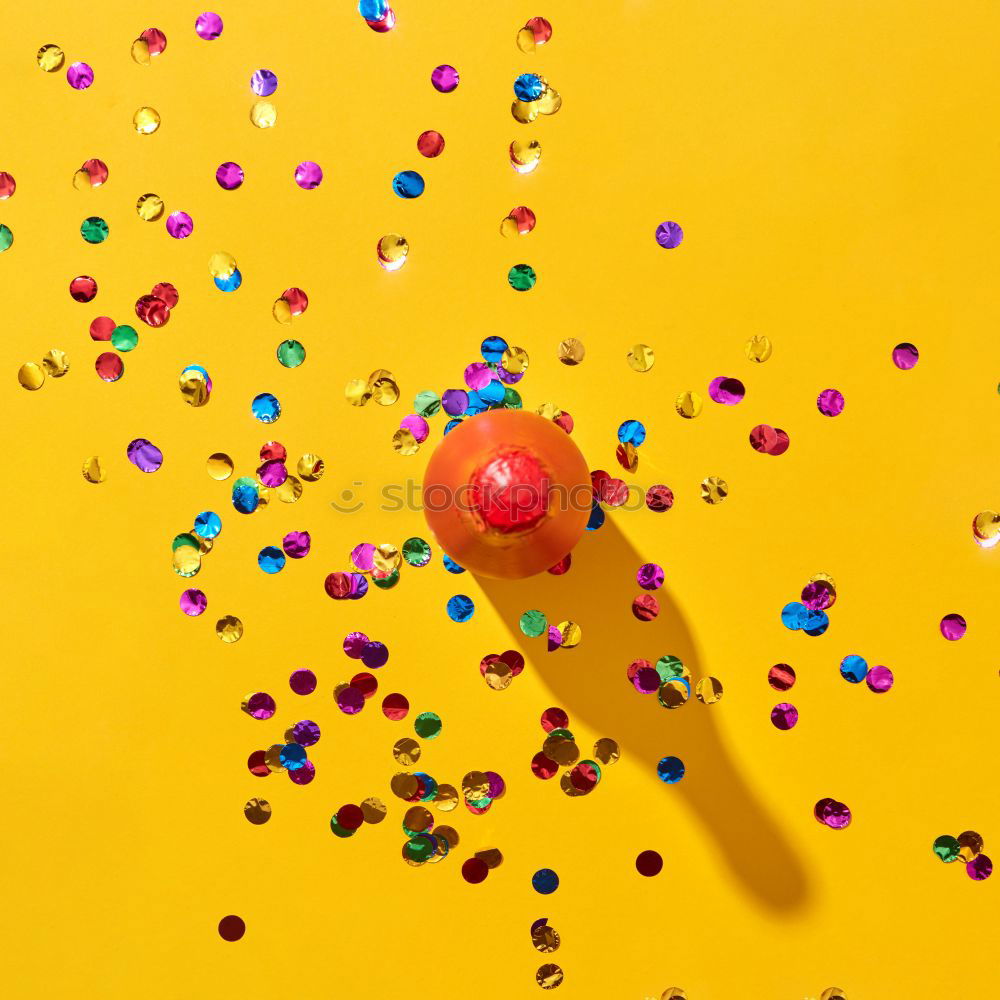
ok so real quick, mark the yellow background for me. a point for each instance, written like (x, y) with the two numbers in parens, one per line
(834, 168)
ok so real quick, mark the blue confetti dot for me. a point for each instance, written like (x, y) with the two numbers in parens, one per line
(451, 566)
(794, 615)
(266, 408)
(476, 404)
(632, 432)
(460, 608)
(451, 425)
(271, 559)
(528, 87)
(853, 668)
(372, 10)
(207, 524)
(230, 283)
(492, 392)
(817, 623)
(430, 786)
(596, 516)
(545, 881)
(292, 756)
(245, 495)
(670, 770)
(408, 184)
(493, 348)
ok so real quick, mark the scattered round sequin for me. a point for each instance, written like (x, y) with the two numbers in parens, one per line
(124, 338)
(93, 471)
(231, 927)
(257, 811)
(55, 362)
(109, 366)
(259, 705)
(291, 353)
(709, 690)
(444, 78)
(669, 235)
(193, 602)
(836, 815)
(50, 58)
(986, 528)
(830, 402)
(31, 376)
(521, 277)
(265, 408)
(549, 976)
(149, 207)
(781, 677)
(79, 76)
(83, 288)
(726, 390)
(229, 629)
(427, 725)
(784, 716)
(180, 225)
(670, 770)
(391, 251)
(641, 358)
(650, 576)
(659, 498)
(953, 627)
(545, 881)
(879, 679)
(208, 26)
(263, 114)
(271, 559)
(460, 608)
(7, 185)
(947, 848)
(905, 356)
(229, 176)
(714, 490)
(649, 863)
(220, 466)
(395, 707)
(263, 82)
(302, 681)
(688, 404)
(758, 349)
(430, 144)
(308, 175)
(408, 184)
(144, 455)
(146, 120)
(979, 868)
(853, 668)
(6, 238)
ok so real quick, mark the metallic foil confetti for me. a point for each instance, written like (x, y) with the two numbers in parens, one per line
(758, 349)
(669, 235)
(444, 79)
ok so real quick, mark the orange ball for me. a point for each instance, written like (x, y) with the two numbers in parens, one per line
(507, 494)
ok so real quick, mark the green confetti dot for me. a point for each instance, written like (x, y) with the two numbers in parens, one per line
(427, 725)
(521, 277)
(6, 238)
(533, 623)
(416, 552)
(124, 338)
(947, 848)
(427, 403)
(291, 353)
(94, 229)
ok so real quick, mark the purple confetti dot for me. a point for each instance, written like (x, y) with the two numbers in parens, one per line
(417, 426)
(304, 774)
(554, 638)
(784, 716)
(979, 868)
(905, 356)
(193, 602)
(260, 706)
(263, 83)
(444, 79)
(363, 557)
(180, 225)
(80, 76)
(296, 544)
(879, 679)
(375, 654)
(302, 681)
(208, 26)
(454, 402)
(350, 700)
(354, 644)
(669, 235)
(953, 627)
(830, 402)
(272, 474)
(229, 175)
(308, 175)
(305, 733)
(650, 576)
(144, 455)
(726, 390)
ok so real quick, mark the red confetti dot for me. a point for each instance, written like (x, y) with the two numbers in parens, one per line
(101, 327)
(164, 290)
(649, 863)
(543, 766)
(554, 718)
(395, 707)
(83, 289)
(645, 607)
(232, 928)
(365, 683)
(659, 498)
(257, 765)
(350, 817)
(430, 144)
(475, 871)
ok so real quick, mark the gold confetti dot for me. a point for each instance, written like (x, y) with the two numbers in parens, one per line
(140, 52)
(758, 349)
(549, 976)
(524, 112)
(986, 528)
(257, 811)
(31, 376)
(406, 751)
(514, 360)
(311, 468)
(263, 114)
(688, 404)
(833, 993)
(220, 466)
(418, 820)
(709, 690)
(373, 810)
(641, 358)
(55, 363)
(93, 471)
(221, 264)
(290, 490)
(149, 207)
(606, 750)
(50, 58)
(714, 490)
(404, 442)
(146, 120)
(357, 392)
(229, 629)
(404, 785)
(446, 798)
(571, 351)
(571, 634)
(545, 939)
